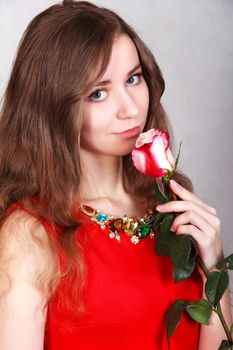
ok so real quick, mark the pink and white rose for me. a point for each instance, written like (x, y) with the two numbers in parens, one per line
(152, 155)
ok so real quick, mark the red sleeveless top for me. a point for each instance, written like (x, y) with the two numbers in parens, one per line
(128, 290)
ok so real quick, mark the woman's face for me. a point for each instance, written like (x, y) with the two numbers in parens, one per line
(116, 106)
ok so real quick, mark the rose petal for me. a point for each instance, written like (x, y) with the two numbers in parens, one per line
(170, 158)
(145, 137)
(166, 140)
(139, 161)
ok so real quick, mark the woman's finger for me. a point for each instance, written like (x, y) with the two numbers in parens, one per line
(187, 195)
(203, 241)
(210, 248)
(185, 206)
(191, 217)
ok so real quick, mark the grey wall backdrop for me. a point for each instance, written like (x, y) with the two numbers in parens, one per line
(192, 42)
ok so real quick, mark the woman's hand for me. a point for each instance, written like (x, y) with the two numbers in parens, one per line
(198, 220)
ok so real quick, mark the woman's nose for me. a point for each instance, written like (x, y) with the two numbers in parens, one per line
(126, 106)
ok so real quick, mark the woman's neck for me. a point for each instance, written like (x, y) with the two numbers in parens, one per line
(102, 186)
(102, 176)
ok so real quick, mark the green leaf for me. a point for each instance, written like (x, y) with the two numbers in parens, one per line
(181, 250)
(158, 220)
(200, 311)
(167, 222)
(181, 274)
(226, 263)
(183, 254)
(215, 286)
(229, 260)
(173, 317)
(165, 238)
(177, 158)
(231, 328)
(159, 191)
(167, 191)
(225, 345)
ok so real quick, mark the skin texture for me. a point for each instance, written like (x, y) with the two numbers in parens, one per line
(116, 107)
(200, 220)
(22, 315)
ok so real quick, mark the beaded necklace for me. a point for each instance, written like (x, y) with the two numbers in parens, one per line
(135, 227)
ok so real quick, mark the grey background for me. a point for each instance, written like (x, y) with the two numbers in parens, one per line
(192, 43)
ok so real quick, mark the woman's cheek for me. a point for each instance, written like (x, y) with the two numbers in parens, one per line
(142, 101)
(146, 96)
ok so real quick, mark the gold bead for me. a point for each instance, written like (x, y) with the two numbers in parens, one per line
(130, 226)
(118, 224)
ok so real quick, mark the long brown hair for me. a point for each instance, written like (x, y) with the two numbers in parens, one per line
(41, 116)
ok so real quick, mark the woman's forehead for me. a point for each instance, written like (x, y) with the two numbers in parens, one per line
(123, 59)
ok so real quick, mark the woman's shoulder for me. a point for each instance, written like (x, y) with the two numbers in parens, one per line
(19, 225)
(24, 276)
(24, 221)
(25, 246)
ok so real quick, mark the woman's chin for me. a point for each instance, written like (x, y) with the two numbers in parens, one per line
(126, 150)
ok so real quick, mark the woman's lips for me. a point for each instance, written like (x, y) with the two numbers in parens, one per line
(130, 133)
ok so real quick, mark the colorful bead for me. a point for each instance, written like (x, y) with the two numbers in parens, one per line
(101, 217)
(88, 210)
(134, 239)
(118, 224)
(124, 219)
(118, 238)
(143, 231)
(133, 225)
(136, 228)
(112, 235)
(128, 226)
(152, 234)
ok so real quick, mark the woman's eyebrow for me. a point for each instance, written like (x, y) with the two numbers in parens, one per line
(105, 82)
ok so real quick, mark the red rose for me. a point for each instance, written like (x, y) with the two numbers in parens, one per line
(152, 155)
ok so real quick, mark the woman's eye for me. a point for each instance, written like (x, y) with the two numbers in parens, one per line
(97, 95)
(134, 81)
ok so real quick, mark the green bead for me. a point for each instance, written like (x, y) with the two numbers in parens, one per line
(143, 231)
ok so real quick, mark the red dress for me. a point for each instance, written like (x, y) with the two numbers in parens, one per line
(128, 290)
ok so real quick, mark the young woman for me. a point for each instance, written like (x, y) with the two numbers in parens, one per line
(81, 81)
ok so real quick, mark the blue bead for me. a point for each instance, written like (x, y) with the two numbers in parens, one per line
(101, 217)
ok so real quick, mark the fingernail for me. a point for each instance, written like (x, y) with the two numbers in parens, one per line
(158, 207)
(173, 182)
